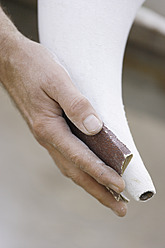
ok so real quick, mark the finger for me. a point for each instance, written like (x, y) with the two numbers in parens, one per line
(77, 152)
(99, 192)
(75, 105)
(89, 184)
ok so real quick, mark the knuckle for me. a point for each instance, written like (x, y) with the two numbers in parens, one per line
(58, 143)
(75, 178)
(71, 173)
(39, 130)
(78, 105)
(100, 173)
(64, 172)
(76, 158)
(101, 177)
(102, 198)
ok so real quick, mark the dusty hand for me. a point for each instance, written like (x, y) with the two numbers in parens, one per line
(41, 89)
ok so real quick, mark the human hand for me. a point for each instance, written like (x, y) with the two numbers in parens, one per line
(41, 89)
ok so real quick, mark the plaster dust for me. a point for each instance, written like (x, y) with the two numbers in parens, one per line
(88, 38)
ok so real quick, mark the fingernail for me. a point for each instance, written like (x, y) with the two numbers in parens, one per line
(116, 189)
(118, 186)
(92, 124)
(122, 211)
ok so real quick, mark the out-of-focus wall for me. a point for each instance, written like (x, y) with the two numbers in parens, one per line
(156, 5)
(29, 2)
(24, 15)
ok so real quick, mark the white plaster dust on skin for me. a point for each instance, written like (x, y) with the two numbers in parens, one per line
(88, 38)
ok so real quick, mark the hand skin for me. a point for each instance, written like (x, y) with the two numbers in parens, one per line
(41, 89)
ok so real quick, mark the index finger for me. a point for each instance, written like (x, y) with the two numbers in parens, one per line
(56, 132)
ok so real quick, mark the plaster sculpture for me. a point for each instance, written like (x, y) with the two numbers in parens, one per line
(88, 37)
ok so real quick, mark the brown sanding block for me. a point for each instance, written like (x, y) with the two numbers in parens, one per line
(106, 146)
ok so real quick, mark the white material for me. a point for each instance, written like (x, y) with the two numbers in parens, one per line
(89, 37)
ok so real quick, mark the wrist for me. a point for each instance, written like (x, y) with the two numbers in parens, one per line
(10, 39)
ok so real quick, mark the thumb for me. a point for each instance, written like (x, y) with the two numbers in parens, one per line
(77, 108)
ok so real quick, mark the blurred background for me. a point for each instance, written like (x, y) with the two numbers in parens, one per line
(39, 207)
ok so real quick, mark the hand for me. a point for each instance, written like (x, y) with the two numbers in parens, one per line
(41, 89)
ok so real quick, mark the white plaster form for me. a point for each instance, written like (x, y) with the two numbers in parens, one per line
(89, 37)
